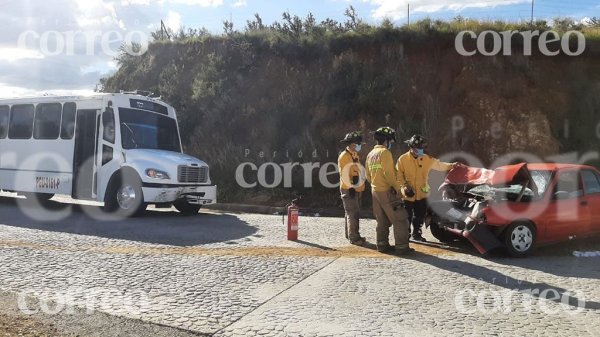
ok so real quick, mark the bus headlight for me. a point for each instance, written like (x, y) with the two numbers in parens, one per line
(156, 174)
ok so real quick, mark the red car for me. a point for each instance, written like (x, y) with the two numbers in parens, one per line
(517, 207)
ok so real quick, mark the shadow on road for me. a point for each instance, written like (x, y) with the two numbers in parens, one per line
(168, 228)
(496, 278)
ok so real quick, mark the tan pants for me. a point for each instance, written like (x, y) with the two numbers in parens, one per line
(388, 211)
(352, 209)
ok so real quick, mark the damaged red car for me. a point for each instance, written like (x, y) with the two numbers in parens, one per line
(517, 207)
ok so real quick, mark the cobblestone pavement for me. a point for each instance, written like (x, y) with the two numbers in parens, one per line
(236, 275)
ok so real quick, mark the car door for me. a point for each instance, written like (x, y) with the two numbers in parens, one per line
(568, 212)
(591, 185)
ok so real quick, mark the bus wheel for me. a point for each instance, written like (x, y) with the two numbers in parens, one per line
(124, 197)
(186, 208)
(39, 197)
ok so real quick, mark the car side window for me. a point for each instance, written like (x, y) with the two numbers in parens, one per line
(590, 182)
(568, 185)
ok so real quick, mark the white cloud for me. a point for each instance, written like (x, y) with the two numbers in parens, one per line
(201, 3)
(25, 69)
(397, 9)
(240, 3)
(135, 2)
(7, 91)
(15, 54)
(173, 20)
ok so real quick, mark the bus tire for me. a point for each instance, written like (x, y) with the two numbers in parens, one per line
(40, 197)
(124, 195)
(185, 208)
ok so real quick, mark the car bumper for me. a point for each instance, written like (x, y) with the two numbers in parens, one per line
(194, 194)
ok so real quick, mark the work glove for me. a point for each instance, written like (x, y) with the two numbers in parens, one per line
(408, 191)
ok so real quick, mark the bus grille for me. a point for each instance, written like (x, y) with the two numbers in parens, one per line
(192, 174)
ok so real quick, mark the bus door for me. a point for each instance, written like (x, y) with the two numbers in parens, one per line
(107, 150)
(84, 158)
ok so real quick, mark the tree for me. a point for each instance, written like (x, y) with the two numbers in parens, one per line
(256, 24)
(353, 21)
(228, 27)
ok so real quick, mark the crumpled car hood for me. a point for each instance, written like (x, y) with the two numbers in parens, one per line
(501, 176)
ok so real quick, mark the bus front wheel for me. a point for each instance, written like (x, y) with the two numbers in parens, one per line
(186, 208)
(40, 197)
(124, 196)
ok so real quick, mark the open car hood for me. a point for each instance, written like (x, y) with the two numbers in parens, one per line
(501, 176)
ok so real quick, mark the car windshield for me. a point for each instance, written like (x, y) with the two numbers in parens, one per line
(148, 130)
(542, 180)
(540, 177)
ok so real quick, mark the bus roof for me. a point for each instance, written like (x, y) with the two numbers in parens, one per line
(53, 98)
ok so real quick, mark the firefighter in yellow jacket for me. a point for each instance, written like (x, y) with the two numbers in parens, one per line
(385, 188)
(352, 185)
(413, 174)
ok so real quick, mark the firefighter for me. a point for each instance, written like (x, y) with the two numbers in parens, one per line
(387, 204)
(352, 185)
(413, 173)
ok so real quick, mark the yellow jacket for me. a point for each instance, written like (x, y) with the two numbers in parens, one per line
(380, 170)
(348, 157)
(414, 172)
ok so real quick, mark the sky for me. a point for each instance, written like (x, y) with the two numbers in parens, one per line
(66, 46)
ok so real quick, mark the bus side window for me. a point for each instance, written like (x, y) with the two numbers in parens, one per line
(67, 128)
(108, 122)
(21, 121)
(47, 121)
(4, 121)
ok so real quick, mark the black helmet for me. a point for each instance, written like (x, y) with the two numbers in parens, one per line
(417, 141)
(354, 137)
(385, 133)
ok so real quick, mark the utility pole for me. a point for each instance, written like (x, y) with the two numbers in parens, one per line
(408, 14)
(163, 31)
(532, 6)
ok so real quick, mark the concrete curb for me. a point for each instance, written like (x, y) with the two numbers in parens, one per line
(306, 211)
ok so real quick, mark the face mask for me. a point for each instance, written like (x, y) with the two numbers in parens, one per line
(390, 145)
(420, 152)
(358, 147)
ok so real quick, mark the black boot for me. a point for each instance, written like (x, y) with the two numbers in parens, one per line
(384, 247)
(416, 236)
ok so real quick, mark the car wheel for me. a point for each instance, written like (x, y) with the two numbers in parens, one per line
(125, 197)
(519, 239)
(186, 208)
(438, 232)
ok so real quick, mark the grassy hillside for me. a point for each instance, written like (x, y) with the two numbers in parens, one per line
(299, 85)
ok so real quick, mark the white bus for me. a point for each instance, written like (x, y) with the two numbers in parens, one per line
(121, 149)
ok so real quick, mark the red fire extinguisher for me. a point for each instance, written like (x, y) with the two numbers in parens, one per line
(292, 224)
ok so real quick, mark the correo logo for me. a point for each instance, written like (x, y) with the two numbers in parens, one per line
(502, 42)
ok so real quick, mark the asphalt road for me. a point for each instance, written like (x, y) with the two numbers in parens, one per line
(236, 275)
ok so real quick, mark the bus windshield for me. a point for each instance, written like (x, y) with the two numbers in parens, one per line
(148, 130)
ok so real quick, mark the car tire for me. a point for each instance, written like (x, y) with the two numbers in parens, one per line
(519, 239)
(185, 208)
(124, 196)
(441, 234)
